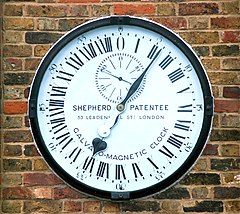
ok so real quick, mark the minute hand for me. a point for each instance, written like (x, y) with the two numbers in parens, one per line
(134, 87)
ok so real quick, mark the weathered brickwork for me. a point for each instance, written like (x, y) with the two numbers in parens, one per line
(30, 27)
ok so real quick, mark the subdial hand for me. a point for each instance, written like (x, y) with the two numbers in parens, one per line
(105, 130)
(119, 78)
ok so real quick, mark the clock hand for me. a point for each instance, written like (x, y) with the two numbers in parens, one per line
(104, 130)
(119, 78)
(98, 145)
(134, 87)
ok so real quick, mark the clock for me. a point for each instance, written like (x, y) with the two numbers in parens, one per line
(120, 108)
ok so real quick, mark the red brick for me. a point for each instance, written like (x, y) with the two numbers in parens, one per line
(211, 149)
(42, 206)
(12, 150)
(226, 105)
(11, 107)
(13, 10)
(231, 36)
(230, 7)
(31, 64)
(66, 192)
(30, 151)
(231, 92)
(46, 10)
(80, 1)
(198, 8)
(231, 64)
(111, 207)
(226, 193)
(17, 50)
(73, 206)
(224, 78)
(225, 22)
(199, 37)
(230, 150)
(44, 179)
(172, 22)
(42, 192)
(12, 64)
(41, 50)
(134, 9)
(17, 193)
(17, 136)
(231, 120)
(91, 206)
(18, 24)
(40, 165)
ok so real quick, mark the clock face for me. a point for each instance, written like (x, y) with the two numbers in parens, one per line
(120, 108)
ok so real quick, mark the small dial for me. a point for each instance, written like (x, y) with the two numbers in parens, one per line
(115, 75)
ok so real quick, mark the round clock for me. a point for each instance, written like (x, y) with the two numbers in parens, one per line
(120, 108)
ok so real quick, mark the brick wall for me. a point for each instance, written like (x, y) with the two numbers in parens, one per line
(29, 29)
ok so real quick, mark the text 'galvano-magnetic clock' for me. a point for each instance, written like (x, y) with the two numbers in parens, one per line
(120, 108)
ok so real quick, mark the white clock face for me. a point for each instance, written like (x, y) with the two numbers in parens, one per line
(149, 142)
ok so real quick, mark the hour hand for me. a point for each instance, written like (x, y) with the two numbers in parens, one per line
(98, 145)
(105, 129)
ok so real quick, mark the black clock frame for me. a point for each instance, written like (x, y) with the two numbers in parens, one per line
(207, 94)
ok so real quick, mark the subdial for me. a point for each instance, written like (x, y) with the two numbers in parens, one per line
(115, 75)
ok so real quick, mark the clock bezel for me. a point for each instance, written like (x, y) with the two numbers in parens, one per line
(203, 79)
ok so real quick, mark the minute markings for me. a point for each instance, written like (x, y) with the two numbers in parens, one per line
(89, 51)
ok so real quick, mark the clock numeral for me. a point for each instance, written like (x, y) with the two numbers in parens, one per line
(104, 47)
(56, 106)
(64, 75)
(64, 136)
(67, 142)
(74, 154)
(58, 91)
(184, 90)
(188, 68)
(185, 108)
(88, 164)
(120, 43)
(90, 51)
(119, 172)
(174, 140)
(103, 168)
(166, 62)
(64, 139)
(56, 103)
(181, 126)
(136, 170)
(75, 61)
(150, 160)
(58, 123)
(137, 44)
(152, 52)
(164, 150)
(56, 112)
(176, 75)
